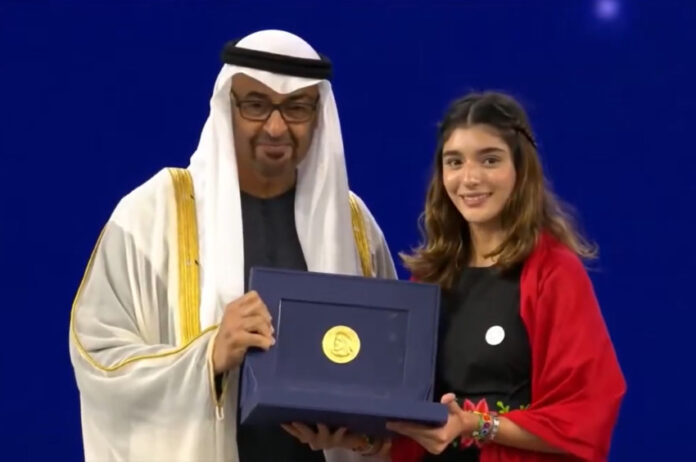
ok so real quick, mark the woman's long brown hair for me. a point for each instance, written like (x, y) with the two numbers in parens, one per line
(531, 208)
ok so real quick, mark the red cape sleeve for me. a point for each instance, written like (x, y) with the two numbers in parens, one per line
(577, 385)
(406, 450)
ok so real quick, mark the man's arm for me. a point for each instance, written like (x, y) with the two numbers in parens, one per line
(131, 374)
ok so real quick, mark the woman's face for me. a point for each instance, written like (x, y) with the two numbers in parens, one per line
(478, 173)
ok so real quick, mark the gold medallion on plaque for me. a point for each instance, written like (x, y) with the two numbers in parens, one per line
(341, 344)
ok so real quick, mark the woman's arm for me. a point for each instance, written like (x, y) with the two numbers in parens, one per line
(511, 434)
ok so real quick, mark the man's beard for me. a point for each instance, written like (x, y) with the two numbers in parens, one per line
(264, 164)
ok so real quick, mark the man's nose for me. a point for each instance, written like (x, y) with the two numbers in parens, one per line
(275, 125)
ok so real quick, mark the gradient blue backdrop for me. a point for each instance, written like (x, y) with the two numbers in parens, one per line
(95, 98)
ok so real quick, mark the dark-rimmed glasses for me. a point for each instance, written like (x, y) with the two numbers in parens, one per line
(259, 110)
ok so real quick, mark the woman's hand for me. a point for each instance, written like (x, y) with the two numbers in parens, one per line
(323, 438)
(436, 440)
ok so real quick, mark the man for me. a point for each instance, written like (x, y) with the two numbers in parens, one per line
(157, 365)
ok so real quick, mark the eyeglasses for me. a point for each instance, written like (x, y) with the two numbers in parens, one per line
(259, 110)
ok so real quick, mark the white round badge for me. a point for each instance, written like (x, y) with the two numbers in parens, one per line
(495, 335)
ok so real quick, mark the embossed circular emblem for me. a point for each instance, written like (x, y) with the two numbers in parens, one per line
(341, 344)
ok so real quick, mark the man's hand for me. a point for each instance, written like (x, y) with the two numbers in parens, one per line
(246, 323)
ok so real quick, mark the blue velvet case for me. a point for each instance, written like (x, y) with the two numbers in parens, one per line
(350, 351)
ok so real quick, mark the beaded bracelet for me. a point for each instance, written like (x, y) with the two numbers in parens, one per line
(484, 427)
(494, 430)
(487, 429)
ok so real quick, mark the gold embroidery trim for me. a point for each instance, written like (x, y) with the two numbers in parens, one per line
(360, 236)
(187, 231)
(189, 280)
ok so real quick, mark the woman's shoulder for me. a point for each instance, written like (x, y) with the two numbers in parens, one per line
(551, 257)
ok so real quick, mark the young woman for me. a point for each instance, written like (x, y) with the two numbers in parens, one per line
(525, 362)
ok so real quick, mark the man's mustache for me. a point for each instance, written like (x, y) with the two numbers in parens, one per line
(280, 141)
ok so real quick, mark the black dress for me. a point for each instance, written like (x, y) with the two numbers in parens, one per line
(484, 351)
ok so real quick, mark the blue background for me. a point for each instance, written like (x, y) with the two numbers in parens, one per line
(95, 98)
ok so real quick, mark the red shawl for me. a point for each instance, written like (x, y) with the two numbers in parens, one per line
(577, 385)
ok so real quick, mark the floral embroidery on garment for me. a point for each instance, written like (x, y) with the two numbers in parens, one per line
(482, 407)
(503, 408)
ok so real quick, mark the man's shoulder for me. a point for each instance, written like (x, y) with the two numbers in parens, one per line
(374, 230)
(361, 205)
(357, 202)
(382, 263)
(149, 199)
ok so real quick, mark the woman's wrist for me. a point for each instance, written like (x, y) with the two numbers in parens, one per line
(470, 423)
(479, 428)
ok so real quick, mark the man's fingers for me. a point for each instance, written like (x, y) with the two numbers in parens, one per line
(241, 302)
(257, 324)
(249, 340)
(256, 308)
(249, 297)
(254, 305)
(249, 304)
